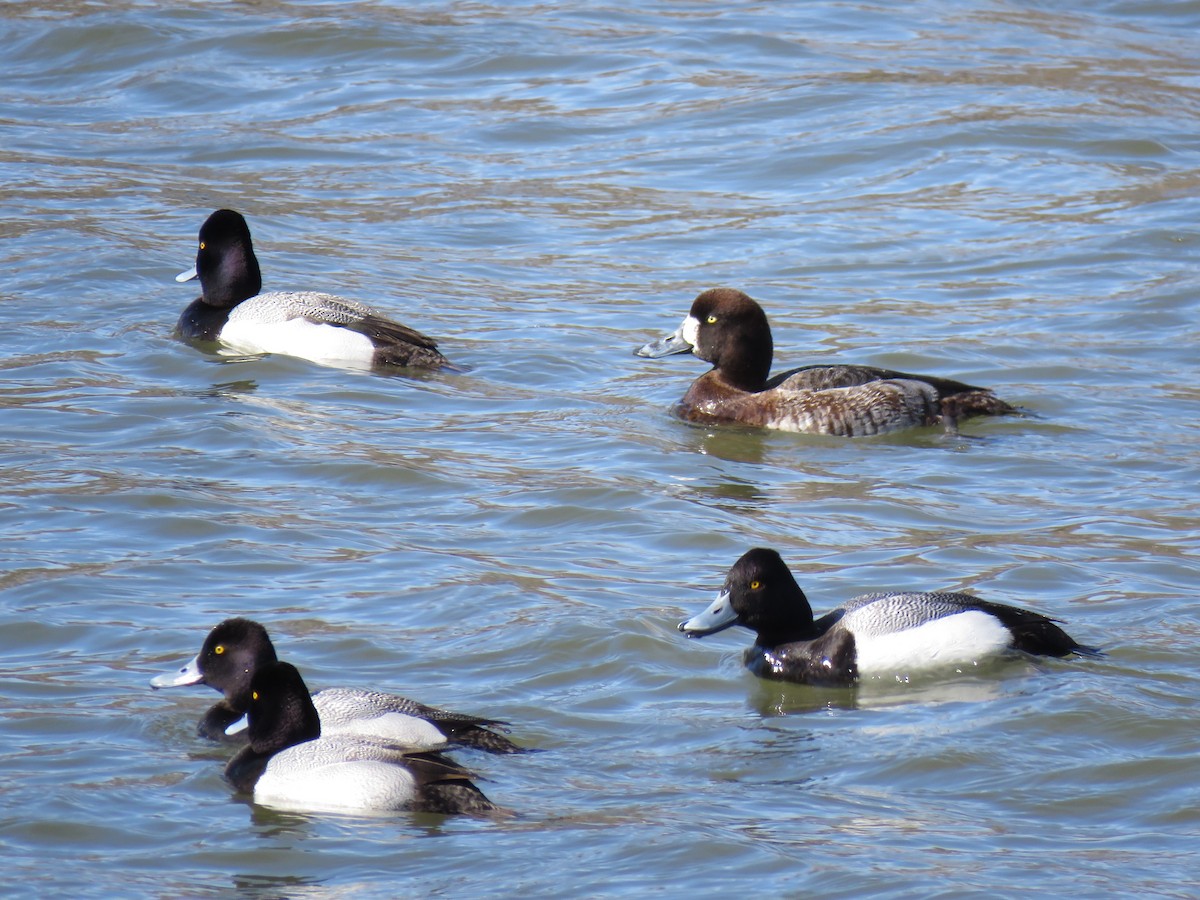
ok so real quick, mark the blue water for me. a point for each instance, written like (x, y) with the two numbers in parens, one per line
(1000, 192)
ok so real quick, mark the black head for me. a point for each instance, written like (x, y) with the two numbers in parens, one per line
(281, 711)
(766, 598)
(232, 653)
(225, 260)
(731, 332)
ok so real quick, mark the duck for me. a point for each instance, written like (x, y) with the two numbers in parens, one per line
(237, 648)
(729, 329)
(288, 763)
(887, 635)
(320, 327)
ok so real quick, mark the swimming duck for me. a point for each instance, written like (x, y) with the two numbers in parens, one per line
(236, 648)
(730, 330)
(319, 327)
(881, 635)
(290, 764)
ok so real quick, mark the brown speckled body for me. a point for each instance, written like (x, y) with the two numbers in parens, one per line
(730, 330)
(873, 408)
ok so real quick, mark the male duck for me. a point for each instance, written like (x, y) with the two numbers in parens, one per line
(319, 327)
(730, 330)
(237, 648)
(886, 635)
(289, 764)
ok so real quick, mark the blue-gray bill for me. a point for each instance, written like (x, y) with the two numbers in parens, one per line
(719, 616)
(188, 674)
(671, 344)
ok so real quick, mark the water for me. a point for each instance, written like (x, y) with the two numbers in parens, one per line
(1002, 192)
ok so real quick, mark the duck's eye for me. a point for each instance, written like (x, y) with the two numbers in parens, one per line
(711, 320)
(254, 695)
(219, 649)
(202, 245)
(755, 585)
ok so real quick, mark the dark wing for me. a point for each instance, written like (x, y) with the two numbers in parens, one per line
(445, 786)
(957, 400)
(818, 377)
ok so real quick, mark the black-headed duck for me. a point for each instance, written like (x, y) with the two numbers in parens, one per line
(289, 764)
(319, 327)
(237, 648)
(889, 635)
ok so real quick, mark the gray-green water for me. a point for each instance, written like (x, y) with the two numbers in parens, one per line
(1004, 192)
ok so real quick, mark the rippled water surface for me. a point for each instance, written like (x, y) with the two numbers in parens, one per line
(1003, 192)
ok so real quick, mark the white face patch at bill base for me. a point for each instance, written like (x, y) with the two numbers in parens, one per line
(690, 330)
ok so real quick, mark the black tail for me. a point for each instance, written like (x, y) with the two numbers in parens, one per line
(481, 738)
(1037, 634)
(445, 786)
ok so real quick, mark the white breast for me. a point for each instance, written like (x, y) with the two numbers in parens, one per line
(954, 641)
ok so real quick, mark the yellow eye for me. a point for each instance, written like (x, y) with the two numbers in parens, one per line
(755, 585)
(202, 245)
(712, 320)
(219, 649)
(254, 695)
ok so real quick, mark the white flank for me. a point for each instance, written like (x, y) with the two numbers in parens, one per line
(361, 784)
(963, 639)
(324, 344)
(394, 727)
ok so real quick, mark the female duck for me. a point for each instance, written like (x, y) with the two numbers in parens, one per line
(289, 764)
(322, 328)
(730, 330)
(237, 648)
(886, 635)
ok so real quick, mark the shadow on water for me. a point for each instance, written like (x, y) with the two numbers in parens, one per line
(273, 886)
(284, 823)
(982, 684)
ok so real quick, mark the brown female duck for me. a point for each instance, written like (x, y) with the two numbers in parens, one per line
(730, 330)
